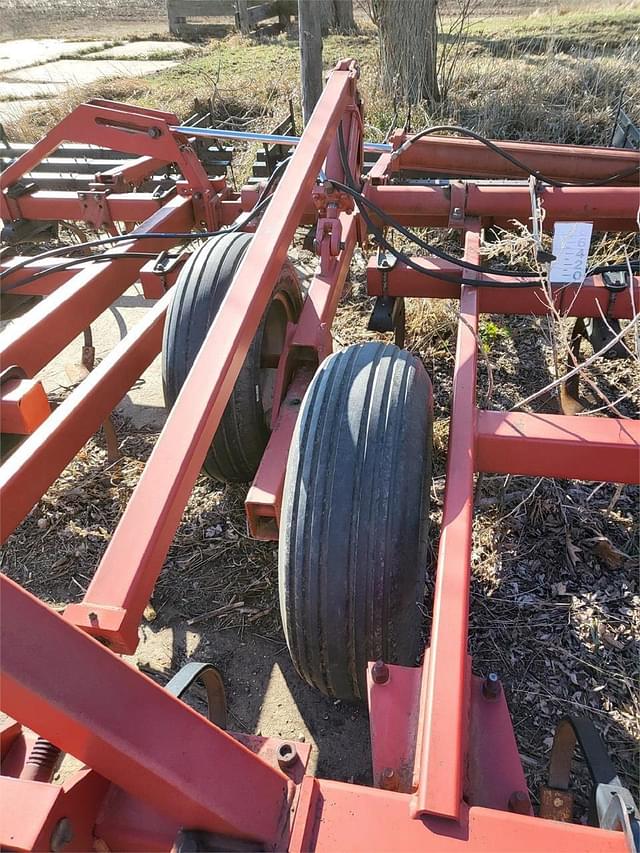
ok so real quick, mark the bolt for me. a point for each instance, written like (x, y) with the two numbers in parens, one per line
(380, 672)
(61, 835)
(286, 755)
(491, 687)
(295, 401)
(93, 618)
(389, 780)
(557, 802)
(154, 132)
(197, 196)
(519, 803)
(456, 213)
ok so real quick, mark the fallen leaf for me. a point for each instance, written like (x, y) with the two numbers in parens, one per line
(572, 550)
(611, 556)
(149, 612)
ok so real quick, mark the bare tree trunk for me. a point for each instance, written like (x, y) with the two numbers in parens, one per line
(336, 16)
(345, 22)
(407, 32)
(310, 55)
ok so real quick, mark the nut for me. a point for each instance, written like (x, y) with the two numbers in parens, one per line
(286, 755)
(491, 687)
(380, 672)
(519, 803)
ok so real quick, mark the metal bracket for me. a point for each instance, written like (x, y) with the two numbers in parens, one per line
(458, 196)
(388, 313)
(95, 207)
(20, 188)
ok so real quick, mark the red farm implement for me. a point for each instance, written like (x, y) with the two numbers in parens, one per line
(337, 450)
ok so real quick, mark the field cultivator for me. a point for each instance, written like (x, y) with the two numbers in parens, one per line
(337, 450)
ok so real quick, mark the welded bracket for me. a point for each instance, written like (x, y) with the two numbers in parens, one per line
(388, 313)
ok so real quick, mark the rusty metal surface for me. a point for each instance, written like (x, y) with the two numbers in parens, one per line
(556, 804)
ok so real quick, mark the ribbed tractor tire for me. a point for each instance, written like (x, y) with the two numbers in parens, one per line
(354, 520)
(202, 285)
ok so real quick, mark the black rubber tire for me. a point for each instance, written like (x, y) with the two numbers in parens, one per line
(244, 429)
(355, 515)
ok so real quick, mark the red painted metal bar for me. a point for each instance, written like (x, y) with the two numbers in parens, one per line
(613, 208)
(335, 816)
(23, 407)
(447, 155)
(127, 728)
(312, 334)
(32, 468)
(41, 287)
(49, 326)
(125, 578)
(264, 498)
(445, 689)
(576, 300)
(567, 446)
(49, 205)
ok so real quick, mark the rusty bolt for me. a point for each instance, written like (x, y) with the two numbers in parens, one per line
(491, 687)
(380, 672)
(93, 618)
(389, 779)
(519, 803)
(61, 835)
(286, 755)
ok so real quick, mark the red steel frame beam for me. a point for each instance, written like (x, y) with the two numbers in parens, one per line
(566, 446)
(124, 580)
(43, 286)
(172, 760)
(130, 730)
(445, 676)
(446, 155)
(609, 208)
(312, 333)
(49, 205)
(32, 468)
(49, 326)
(587, 299)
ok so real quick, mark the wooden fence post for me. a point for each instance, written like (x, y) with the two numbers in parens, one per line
(243, 16)
(310, 55)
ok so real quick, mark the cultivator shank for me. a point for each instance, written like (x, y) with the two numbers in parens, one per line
(158, 775)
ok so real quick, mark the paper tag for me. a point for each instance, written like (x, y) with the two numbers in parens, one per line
(571, 241)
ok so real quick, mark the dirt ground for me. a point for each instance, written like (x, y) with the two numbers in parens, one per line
(555, 599)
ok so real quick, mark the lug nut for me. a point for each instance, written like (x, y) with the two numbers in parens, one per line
(491, 687)
(519, 803)
(286, 755)
(379, 672)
